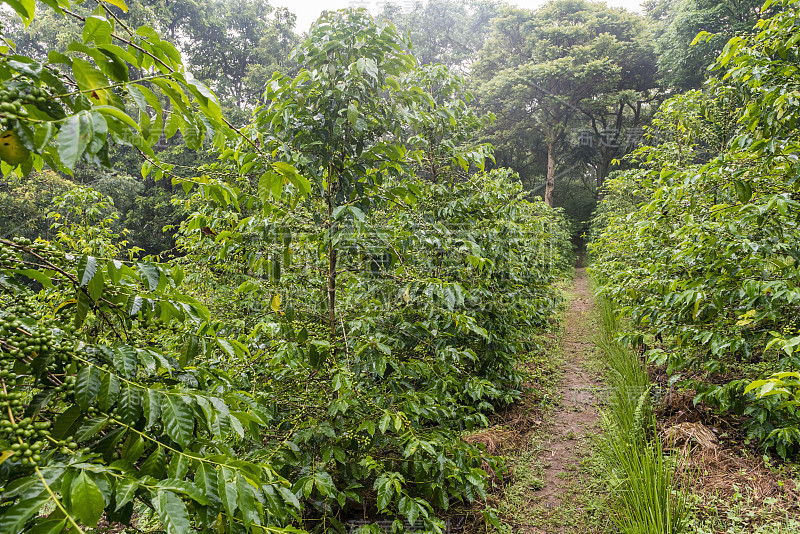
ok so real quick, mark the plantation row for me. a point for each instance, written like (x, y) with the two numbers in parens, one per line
(700, 244)
(351, 293)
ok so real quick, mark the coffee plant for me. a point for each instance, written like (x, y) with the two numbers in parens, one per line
(700, 244)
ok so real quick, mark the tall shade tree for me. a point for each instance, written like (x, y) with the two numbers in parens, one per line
(570, 65)
(445, 31)
(236, 46)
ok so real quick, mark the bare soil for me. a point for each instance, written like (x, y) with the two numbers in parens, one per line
(544, 490)
(576, 415)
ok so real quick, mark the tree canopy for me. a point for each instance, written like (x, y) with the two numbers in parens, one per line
(684, 63)
(570, 85)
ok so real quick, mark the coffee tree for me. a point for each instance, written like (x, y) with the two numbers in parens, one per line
(367, 295)
(708, 259)
(96, 416)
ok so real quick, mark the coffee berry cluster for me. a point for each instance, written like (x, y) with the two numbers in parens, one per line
(9, 258)
(36, 338)
(12, 104)
(30, 344)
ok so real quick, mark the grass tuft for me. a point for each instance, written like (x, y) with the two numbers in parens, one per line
(644, 497)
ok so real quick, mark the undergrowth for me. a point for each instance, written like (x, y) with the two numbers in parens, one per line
(709, 514)
(644, 498)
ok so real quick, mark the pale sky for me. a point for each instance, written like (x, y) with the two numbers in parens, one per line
(307, 11)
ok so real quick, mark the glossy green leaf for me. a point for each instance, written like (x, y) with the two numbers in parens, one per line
(86, 500)
(91, 81)
(129, 406)
(150, 275)
(87, 385)
(177, 418)
(118, 114)
(743, 190)
(125, 491)
(73, 138)
(155, 465)
(24, 8)
(96, 29)
(324, 483)
(125, 361)
(65, 421)
(109, 391)
(152, 406)
(90, 428)
(184, 487)
(205, 476)
(48, 526)
(15, 517)
(39, 276)
(172, 512)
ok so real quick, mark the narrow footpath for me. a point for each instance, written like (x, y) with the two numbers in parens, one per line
(562, 500)
(547, 436)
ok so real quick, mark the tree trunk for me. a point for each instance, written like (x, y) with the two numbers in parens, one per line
(602, 173)
(550, 182)
(331, 260)
(332, 292)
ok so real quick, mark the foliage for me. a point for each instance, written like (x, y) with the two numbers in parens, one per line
(644, 496)
(234, 52)
(570, 85)
(25, 202)
(427, 337)
(232, 47)
(381, 301)
(709, 258)
(77, 365)
(683, 61)
(236, 46)
(445, 32)
(83, 222)
(59, 119)
(375, 314)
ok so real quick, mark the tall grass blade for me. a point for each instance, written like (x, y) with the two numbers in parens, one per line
(645, 499)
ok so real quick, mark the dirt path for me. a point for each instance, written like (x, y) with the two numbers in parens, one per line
(573, 419)
(554, 486)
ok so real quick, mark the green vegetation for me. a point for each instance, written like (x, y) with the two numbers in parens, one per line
(372, 292)
(569, 85)
(641, 478)
(698, 246)
(255, 281)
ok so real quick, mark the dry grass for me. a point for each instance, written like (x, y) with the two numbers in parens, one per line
(731, 480)
(722, 473)
(688, 434)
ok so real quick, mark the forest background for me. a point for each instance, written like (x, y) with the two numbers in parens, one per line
(598, 86)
